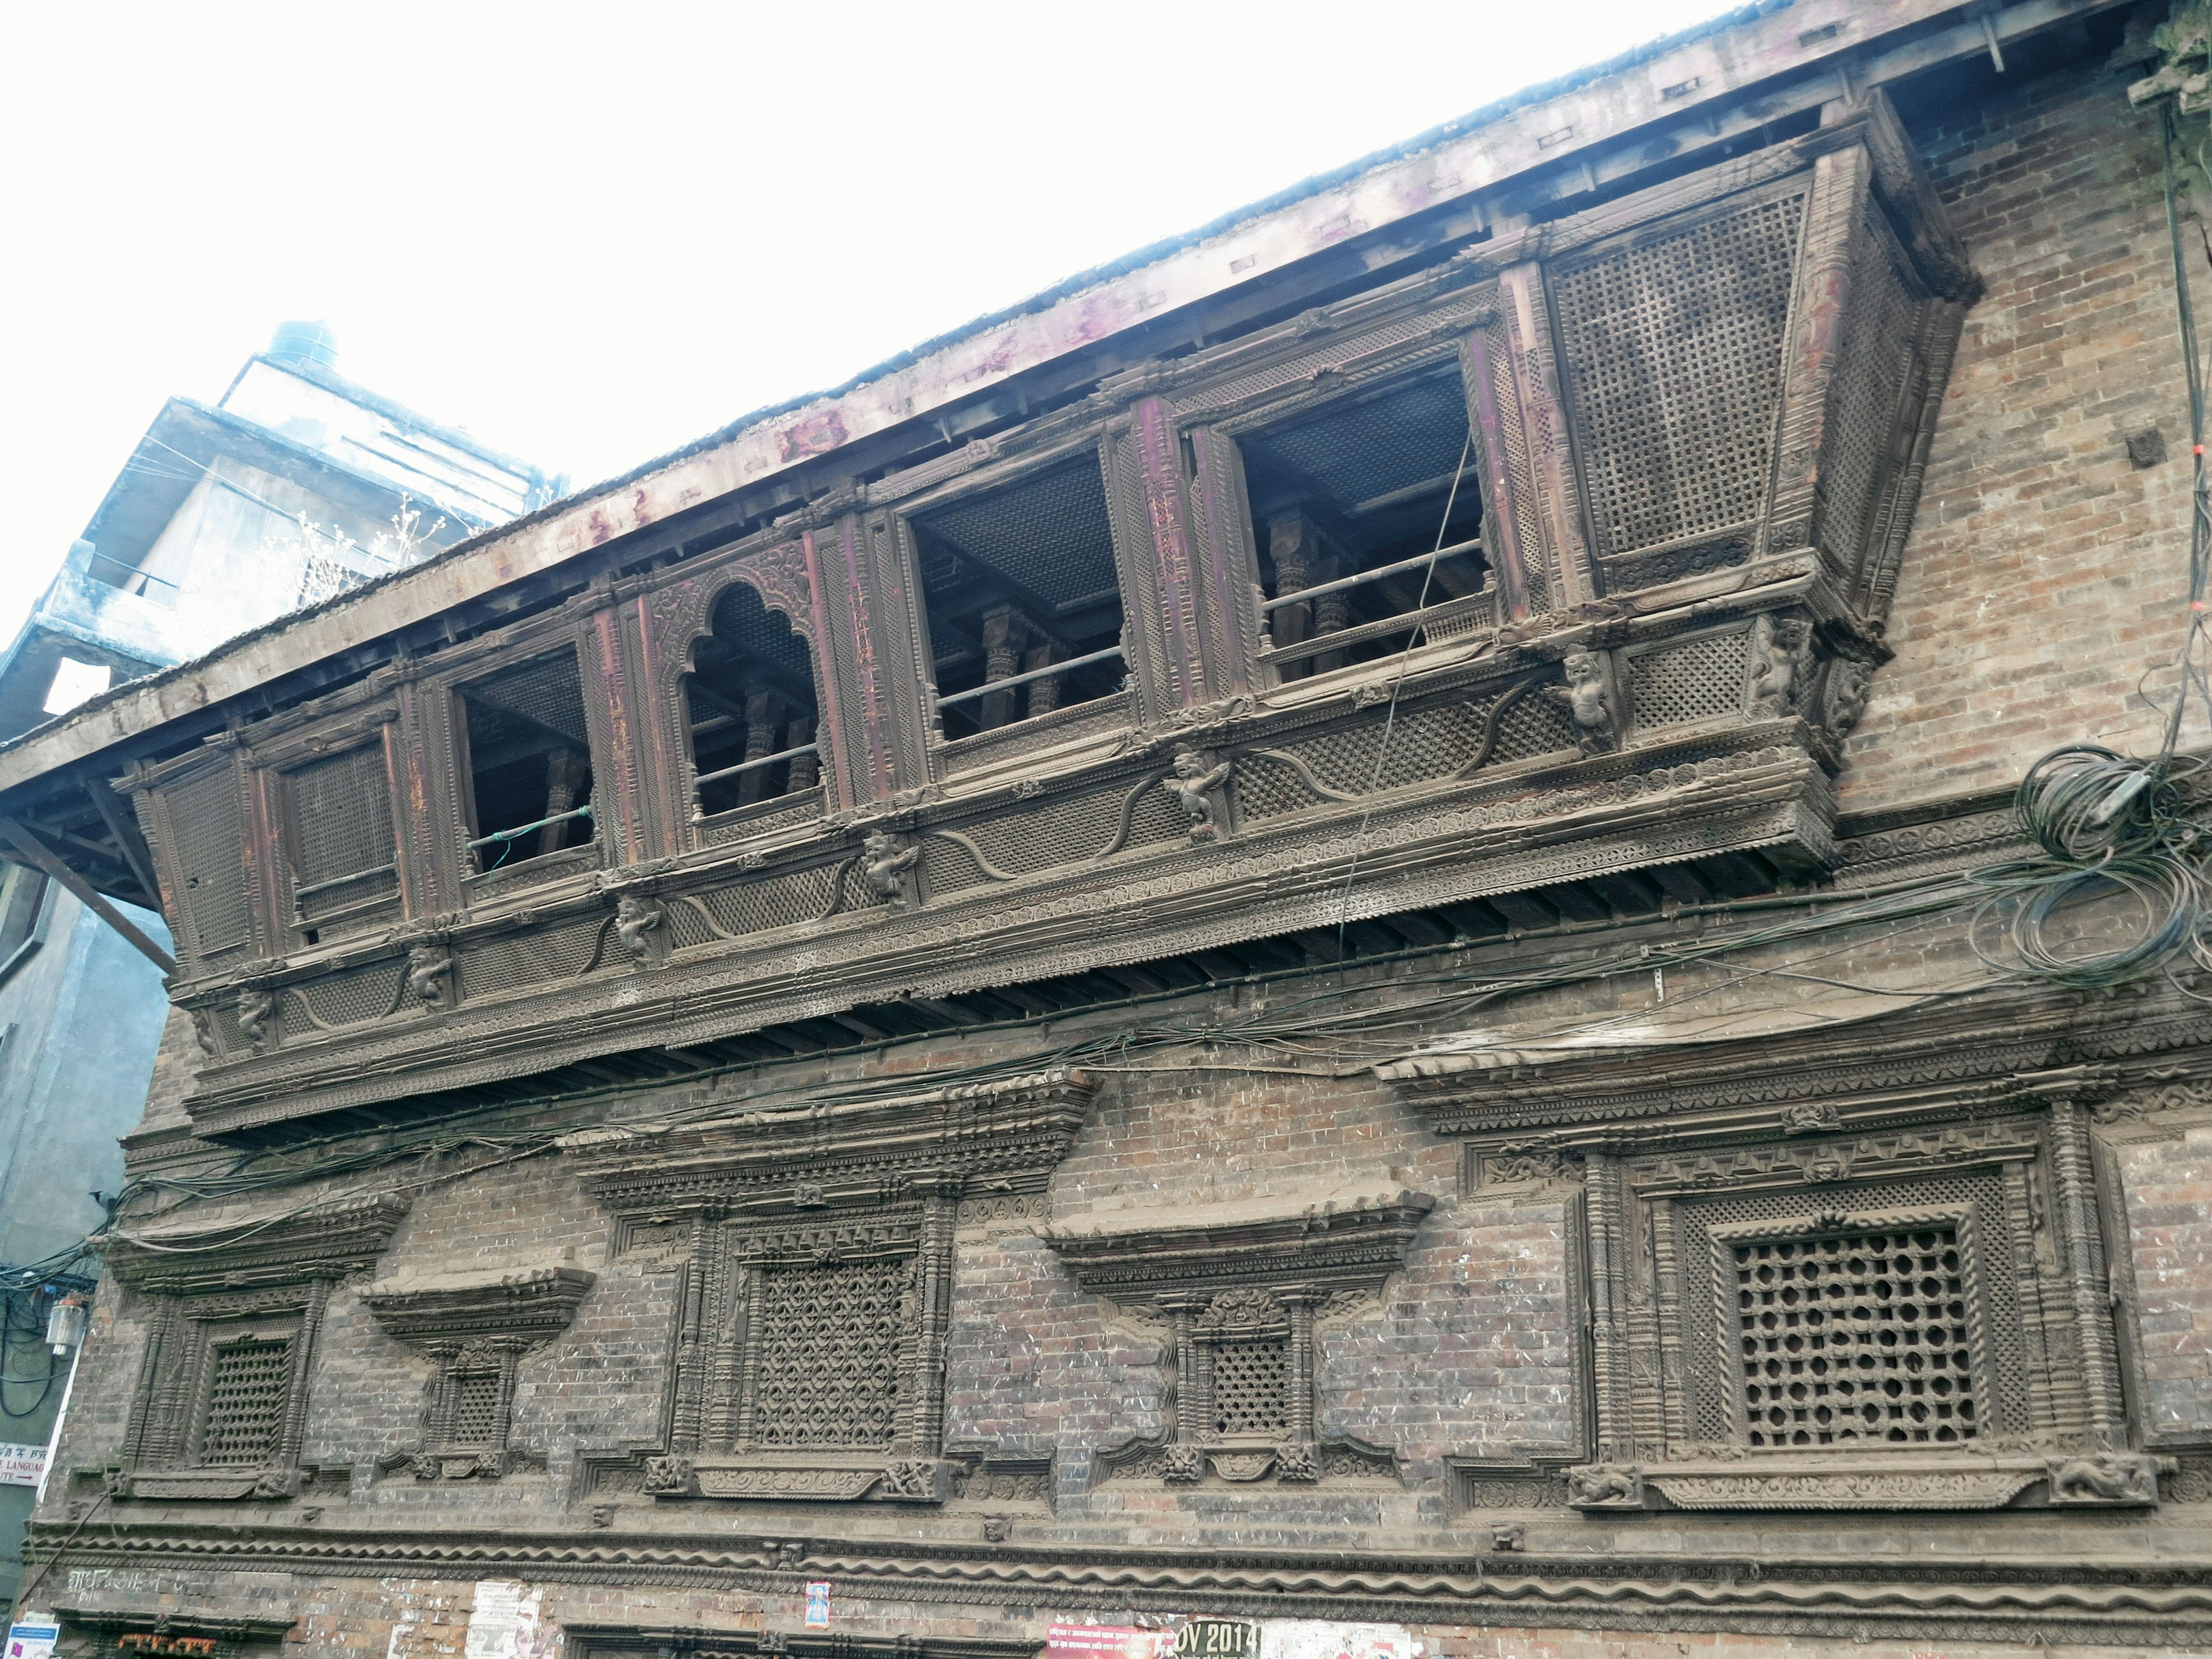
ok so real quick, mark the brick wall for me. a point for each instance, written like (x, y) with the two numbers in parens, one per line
(2044, 574)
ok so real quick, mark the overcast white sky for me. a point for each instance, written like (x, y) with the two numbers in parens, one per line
(590, 234)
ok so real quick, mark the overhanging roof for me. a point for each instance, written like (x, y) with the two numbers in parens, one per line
(1764, 62)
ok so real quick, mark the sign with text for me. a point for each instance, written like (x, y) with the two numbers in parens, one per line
(22, 1465)
(34, 1638)
(1108, 1642)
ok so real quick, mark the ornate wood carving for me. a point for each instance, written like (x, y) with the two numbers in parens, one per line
(1241, 1287)
(476, 1328)
(221, 1401)
(809, 1355)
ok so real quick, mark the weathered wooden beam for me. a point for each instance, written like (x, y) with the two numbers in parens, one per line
(35, 852)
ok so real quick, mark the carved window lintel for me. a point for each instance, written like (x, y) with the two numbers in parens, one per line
(476, 1328)
(1242, 1288)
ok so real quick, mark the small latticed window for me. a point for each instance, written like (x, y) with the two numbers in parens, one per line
(476, 1408)
(1368, 519)
(1856, 1338)
(342, 817)
(249, 1383)
(1251, 1389)
(529, 762)
(750, 700)
(1023, 597)
(828, 1354)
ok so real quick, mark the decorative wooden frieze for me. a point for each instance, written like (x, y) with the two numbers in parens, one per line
(1241, 1287)
(476, 1328)
(809, 1358)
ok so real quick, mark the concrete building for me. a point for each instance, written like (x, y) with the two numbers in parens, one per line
(1321, 947)
(295, 486)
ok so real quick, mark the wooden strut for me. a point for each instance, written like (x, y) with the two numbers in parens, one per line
(35, 850)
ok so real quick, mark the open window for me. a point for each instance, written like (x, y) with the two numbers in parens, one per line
(529, 762)
(1368, 520)
(1023, 598)
(750, 703)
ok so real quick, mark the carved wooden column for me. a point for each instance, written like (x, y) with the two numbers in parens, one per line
(1532, 513)
(2086, 1278)
(621, 809)
(428, 807)
(1614, 1404)
(1190, 620)
(1304, 1363)
(1188, 1408)
(874, 665)
(691, 1307)
(933, 1270)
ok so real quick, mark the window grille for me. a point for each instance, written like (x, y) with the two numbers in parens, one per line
(1673, 359)
(1858, 1338)
(205, 816)
(827, 1364)
(347, 853)
(474, 1420)
(1251, 1389)
(1349, 501)
(249, 1383)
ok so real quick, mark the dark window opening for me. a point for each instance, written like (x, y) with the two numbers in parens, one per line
(1015, 581)
(529, 762)
(750, 702)
(1351, 504)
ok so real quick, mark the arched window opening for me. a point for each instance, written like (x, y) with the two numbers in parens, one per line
(750, 703)
(1353, 502)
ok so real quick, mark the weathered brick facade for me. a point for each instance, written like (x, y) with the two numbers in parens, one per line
(1433, 1190)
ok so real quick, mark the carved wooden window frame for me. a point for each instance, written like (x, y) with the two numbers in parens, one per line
(1359, 359)
(278, 769)
(600, 850)
(1248, 1278)
(675, 612)
(716, 1448)
(164, 1449)
(1668, 1429)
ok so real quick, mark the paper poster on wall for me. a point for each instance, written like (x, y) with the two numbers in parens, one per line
(32, 1638)
(505, 1624)
(817, 1605)
(1108, 1642)
(1322, 1639)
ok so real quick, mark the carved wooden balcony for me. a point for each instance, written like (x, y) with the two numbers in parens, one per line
(1563, 560)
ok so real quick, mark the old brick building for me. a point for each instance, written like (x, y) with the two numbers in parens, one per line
(1315, 932)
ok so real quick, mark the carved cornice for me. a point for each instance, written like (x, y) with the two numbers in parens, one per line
(1349, 1241)
(328, 1241)
(534, 1305)
(1988, 1049)
(1009, 1132)
(2167, 1603)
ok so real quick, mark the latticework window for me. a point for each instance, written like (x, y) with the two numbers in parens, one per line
(474, 1420)
(347, 851)
(1857, 1338)
(1251, 1389)
(830, 1353)
(249, 1383)
(1674, 353)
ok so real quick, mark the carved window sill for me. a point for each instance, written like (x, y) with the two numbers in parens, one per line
(826, 1477)
(1875, 1480)
(205, 1485)
(1292, 1463)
